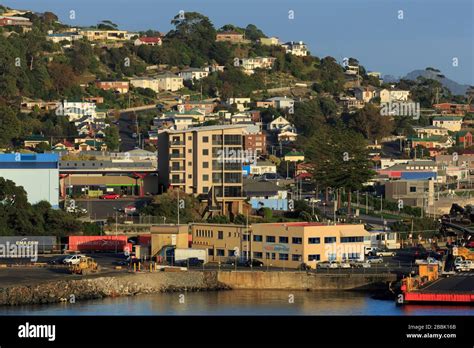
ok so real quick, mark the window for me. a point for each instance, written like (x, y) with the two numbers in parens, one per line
(205, 164)
(329, 240)
(230, 252)
(267, 256)
(257, 238)
(273, 256)
(205, 152)
(190, 138)
(270, 239)
(245, 237)
(314, 257)
(257, 255)
(297, 240)
(205, 189)
(314, 240)
(351, 256)
(220, 235)
(205, 177)
(412, 189)
(295, 257)
(190, 176)
(190, 150)
(352, 239)
(283, 257)
(283, 239)
(205, 139)
(331, 256)
(210, 252)
(220, 252)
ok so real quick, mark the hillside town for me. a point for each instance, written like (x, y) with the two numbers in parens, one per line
(228, 148)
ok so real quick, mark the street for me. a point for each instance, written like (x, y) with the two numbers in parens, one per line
(104, 208)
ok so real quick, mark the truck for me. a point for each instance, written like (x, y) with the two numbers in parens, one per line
(178, 255)
(463, 252)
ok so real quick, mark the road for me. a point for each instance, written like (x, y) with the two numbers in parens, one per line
(127, 126)
(104, 208)
(328, 211)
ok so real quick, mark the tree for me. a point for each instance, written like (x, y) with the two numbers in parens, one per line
(339, 159)
(9, 126)
(253, 33)
(112, 138)
(370, 123)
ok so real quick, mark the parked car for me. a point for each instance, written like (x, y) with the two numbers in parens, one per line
(328, 264)
(465, 266)
(344, 265)
(110, 196)
(57, 260)
(72, 259)
(192, 261)
(254, 263)
(375, 259)
(413, 253)
(304, 267)
(385, 252)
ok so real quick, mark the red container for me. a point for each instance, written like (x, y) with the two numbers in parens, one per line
(98, 243)
(144, 239)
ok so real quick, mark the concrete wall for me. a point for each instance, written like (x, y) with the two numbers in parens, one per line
(303, 280)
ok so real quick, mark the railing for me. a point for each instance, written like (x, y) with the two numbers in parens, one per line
(177, 155)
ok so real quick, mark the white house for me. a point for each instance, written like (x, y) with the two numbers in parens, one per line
(296, 48)
(278, 124)
(391, 95)
(282, 102)
(76, 110)
(194, 74)
(240, 103)
(58, 37)
(149, 41)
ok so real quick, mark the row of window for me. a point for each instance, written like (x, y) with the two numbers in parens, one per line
(285, 257)
(311, 240)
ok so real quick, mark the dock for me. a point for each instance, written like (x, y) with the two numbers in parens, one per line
(455, 289)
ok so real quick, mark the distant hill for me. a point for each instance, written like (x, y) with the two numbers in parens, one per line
(453, 86)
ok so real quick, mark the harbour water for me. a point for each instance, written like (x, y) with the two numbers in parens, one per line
(239, 302)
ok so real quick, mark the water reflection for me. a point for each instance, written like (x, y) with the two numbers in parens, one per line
(239, 302)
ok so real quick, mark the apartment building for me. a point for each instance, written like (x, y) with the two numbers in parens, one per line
(283, 244)
(296, 48)
(415, 193)
(105, 35)
(204, 161)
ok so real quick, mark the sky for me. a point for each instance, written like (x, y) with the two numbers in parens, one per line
(428, 33)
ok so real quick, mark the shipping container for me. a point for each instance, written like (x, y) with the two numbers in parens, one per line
(184, 254)
(46, 244)
(98, 243)
(144, 239)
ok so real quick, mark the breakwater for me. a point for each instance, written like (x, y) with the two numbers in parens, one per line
(130, 284)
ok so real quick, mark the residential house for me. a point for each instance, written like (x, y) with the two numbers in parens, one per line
(117, 86)
(296, 48)
(231, 36)
(265, 194)
(250, 64)
(75, 110)
(294, 156)
(15, 21)
(435, 141)
(241, 104)
(269, 41)
(287, 136)
(149, 41)
(351, 103)
(415, 193)
(429, 131)
(93, 34)
(392, 95)
(452, 123)
(192, 74)
(159, 83)
(29, 105)
(67, 36)
(282, 102)
(206, 106)
(277, 124)
(365, 93)
(464, 138)
(34, 140)
(260, 167)
(453, 109)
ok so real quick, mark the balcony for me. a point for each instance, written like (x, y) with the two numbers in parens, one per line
(177, 168)
(177, 181)
(177, 155)
(177, 143)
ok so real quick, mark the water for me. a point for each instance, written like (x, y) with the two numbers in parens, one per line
(239, 302)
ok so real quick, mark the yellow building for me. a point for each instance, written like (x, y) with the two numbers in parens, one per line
(281, 244)
(163, 236)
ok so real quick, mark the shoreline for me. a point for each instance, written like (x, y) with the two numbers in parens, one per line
(132, 284)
